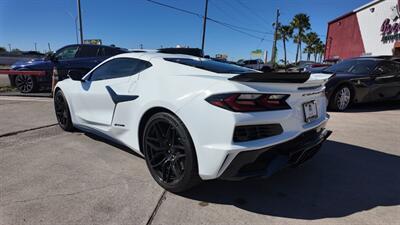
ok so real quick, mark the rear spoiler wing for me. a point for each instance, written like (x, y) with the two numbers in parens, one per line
(276, 77)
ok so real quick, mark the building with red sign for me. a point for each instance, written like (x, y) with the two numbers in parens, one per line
(372, 29)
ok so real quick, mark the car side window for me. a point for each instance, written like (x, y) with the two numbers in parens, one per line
(87, 51)
(101, 52)
(387, 68)
(67, 53)
(112, 51)
(119, 67)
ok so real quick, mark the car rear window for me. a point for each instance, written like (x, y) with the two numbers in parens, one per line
(210, 65)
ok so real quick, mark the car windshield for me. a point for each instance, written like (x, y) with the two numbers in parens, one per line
(210, 65)
(353, 67)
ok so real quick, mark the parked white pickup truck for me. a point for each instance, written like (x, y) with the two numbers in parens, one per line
(256, 64)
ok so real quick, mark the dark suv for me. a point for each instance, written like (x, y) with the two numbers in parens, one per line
(71, 57)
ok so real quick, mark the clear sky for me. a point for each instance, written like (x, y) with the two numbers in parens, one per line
(129, 23)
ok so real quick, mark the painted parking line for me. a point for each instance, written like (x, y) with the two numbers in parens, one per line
(25, 99)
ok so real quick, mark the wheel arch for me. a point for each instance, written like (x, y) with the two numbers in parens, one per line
(145, 117)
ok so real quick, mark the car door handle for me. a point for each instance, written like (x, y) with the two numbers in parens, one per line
(116, 98)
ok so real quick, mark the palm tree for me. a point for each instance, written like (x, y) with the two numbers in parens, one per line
(285, 32)
(311, 39)
(301, 22)
(319, 50)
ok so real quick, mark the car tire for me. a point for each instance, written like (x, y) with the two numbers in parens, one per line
(62, 111)
(26, 84)
(169, 152)
(341, 98)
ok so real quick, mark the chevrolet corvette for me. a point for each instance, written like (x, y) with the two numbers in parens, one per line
(195, 119)
(362, 80)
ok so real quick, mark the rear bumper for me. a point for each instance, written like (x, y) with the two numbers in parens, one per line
(267, 161)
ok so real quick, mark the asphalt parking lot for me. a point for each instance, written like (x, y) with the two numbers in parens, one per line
(48, 176)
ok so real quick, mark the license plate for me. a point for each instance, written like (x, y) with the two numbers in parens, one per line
(310, 111)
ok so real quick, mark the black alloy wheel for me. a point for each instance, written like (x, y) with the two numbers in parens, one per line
(26, 84)
(62, 111)
(169, 153)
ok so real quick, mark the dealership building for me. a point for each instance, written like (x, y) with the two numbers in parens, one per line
(372, 29)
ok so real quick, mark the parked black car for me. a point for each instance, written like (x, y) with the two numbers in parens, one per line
(71, 57)
(362, 80)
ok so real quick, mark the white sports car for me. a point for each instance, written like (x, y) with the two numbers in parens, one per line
(197, 119)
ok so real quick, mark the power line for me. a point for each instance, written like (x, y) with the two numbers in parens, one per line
(175, 8)
(220, 9)
(243, 28)
(252, 12)
(242, 13)
(234, 28)
(239, 27)
(228, 25)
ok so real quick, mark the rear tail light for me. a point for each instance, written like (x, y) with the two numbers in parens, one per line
(243, 102)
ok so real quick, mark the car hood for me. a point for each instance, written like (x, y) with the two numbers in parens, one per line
(36, 63)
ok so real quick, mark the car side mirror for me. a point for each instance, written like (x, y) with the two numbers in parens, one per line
(76, 74)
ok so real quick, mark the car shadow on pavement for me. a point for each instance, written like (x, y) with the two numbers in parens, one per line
(374, 106)
(112, 143)
(341, 180)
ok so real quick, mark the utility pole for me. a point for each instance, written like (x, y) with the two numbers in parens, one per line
(48, 45)
(204, 26)
(76, 30)
(80, 20)
(9, 47)
(35, 47)
(273, 55)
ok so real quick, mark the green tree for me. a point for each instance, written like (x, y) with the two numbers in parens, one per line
(16, 51)
(301, 23)
(2, 49)
(319, 51)
(311, 39)
(284, 33)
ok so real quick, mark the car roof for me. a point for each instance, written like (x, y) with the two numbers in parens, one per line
(151, 55)
(368, 58)
(107, 46)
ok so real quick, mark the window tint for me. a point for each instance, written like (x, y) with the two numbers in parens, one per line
(251, 62)
(101, 52)
(120, 67)
(87, 51)
(210, 65)
(113, 51)
(67, 52)
(387, 68)
(353, 66)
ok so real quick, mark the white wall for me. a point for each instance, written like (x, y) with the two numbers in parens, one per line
(370, 25)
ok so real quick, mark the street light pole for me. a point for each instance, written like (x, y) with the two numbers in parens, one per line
(35, 47)
(80, 21)
(204, 27)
